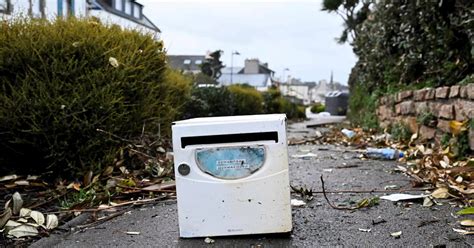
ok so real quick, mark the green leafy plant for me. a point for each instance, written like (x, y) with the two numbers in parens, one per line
(62, 81)
(427, 119)
(400, 132)
(247, 100)
(317, 108)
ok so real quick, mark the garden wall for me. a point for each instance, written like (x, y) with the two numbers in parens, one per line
(429, 111)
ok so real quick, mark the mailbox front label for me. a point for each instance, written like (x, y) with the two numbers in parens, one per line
(230, 162)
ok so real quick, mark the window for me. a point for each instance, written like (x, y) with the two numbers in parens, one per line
(187, 62)
(37, 8)
(66, 7)
(137, 11)
(5, 6)
(119, 5)
(128, 7)
(198, 62)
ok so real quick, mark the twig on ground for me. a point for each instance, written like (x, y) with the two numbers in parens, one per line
(330, 204)
(114, 135)
(135, 203)
(107, 218)
(371, 191)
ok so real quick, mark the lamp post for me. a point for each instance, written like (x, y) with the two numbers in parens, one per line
(284, 70)
(232, 64)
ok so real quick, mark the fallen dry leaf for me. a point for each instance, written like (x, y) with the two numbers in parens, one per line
(467, 222)
(23, 231)
(463, 232)
(25, 212)
(8, 178)
(17, 203)
(37, 217)
(51, 221)
(440, 193)
(5, 217)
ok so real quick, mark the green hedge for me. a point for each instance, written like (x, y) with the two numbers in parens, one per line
(239, 100)
(61, 81)
(318, 108)
(247, 100)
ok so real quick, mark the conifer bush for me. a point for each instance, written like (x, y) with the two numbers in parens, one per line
(62, 81)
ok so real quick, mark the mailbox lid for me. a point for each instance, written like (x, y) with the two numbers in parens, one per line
(231, 120)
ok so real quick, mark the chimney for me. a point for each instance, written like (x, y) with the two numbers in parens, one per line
(251, 66)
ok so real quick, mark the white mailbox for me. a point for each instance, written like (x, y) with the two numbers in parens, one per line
(232, 175)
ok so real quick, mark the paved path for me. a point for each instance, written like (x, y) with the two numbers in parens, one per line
(315, 225)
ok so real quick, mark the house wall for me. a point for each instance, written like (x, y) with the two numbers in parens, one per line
(444, 104)
(21, 8)
(109, 18)
(298, 91)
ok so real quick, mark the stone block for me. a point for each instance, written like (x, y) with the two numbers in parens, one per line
(384, 112)
(406, 94)
(430, 94)
(419, 95)
(463, 109)
(424, 94)
(467, 91)
(382, 100)
(407, 107)
(421, 107)
(454, 91)
(434, 108)
(443, 125)
(446, 111)
(442, 92)
(470, 91)
(411, 123)
(427, 133)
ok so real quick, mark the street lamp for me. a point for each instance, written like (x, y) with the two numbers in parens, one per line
(284, 70)
(232, 64)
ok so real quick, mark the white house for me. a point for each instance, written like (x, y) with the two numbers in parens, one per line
(125, 13)
(254, 73)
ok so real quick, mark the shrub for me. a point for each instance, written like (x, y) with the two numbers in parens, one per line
(274, 102)
(247, 100)
(362, 106)
(209, 101)
(61, 81)
(400, 132)
(318, 108)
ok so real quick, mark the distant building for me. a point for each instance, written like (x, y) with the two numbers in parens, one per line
(254, 73)
(310, 92)
(299, 92)
(186, 63)
(323, 87)
(125, 13)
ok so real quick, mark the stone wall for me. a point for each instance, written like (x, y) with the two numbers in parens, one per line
(441, 104)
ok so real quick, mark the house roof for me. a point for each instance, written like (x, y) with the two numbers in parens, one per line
(255, 80)
(186, 62)
(100, 4)
(234, 70)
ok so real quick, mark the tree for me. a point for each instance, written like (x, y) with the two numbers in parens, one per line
(212, 65)
(353, 12)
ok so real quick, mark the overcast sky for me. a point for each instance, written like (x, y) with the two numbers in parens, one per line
(296, 35)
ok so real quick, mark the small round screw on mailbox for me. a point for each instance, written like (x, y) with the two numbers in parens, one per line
(184, 169)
